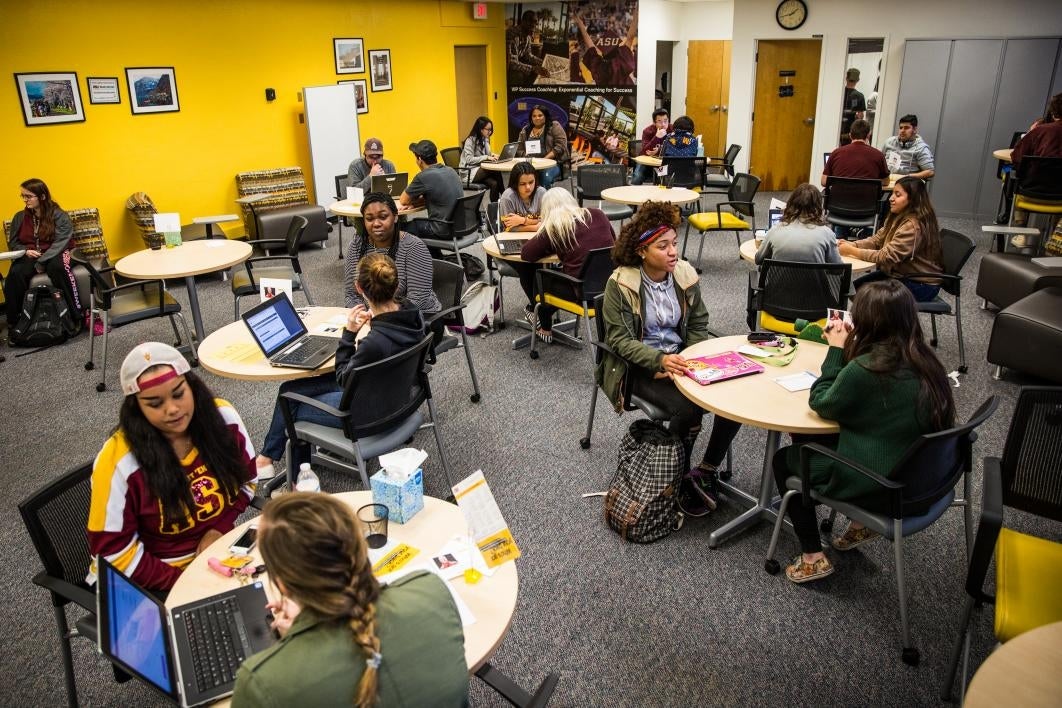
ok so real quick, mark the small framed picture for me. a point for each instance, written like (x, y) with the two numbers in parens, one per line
(103, 89)
(380, 70)
(50, 98)
(349, 55)
(152, 89)
(361, 98)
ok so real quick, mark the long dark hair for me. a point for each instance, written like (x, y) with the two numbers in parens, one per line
(804, 205)
(155, 455)
(520, 169)
(477, 132)
(388, 201)
(545, 112)
(920, 210)
(885, 326)
(47, 206)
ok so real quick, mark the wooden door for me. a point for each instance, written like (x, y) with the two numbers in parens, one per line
(707, 85)
(783, 128)
(470, 70)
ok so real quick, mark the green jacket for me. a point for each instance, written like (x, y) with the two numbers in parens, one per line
(317, 662)
(624, 314)
(879, 419)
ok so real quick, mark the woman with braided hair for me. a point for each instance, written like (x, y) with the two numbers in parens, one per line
(345, 639)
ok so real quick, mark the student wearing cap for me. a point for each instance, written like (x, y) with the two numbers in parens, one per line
(371, 164)
(436, 187)
(173, 476)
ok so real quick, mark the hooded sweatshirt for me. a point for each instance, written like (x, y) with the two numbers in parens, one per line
(389, 333)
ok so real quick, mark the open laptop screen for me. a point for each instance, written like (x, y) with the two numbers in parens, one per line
(274, 324)
(390, 184)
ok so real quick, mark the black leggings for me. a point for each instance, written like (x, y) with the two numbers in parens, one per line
(527, 271)
(805, 522)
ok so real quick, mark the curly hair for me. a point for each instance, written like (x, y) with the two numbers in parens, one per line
(804, 206)
(649, 216)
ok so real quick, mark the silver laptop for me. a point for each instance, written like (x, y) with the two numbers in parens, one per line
(508, 151)
(390, 184)
(190, 653)
(511, 246)
(281, 335)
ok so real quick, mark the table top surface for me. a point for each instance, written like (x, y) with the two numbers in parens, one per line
(1003, 154)
(648, 160)
(349, 207)
(232, 352)
(491, 249)
(492, 600)
(641, 193)
(216, 219)
(748, 253)
(539, 163)
(190, 258)
(757, 400)
(1023, 671)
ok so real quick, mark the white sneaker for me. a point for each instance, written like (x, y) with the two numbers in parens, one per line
(266, 472)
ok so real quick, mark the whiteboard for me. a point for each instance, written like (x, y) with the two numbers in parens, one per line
(332, 125)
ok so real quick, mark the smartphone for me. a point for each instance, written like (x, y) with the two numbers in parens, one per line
(245, 543)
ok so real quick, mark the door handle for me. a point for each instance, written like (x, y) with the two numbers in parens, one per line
(725, 109)
(810, 120)
(714, 108)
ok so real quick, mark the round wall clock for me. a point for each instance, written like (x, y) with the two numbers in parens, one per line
(791, 14)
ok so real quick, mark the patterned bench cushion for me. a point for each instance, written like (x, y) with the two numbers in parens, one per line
(88, 234)
(143, 210)
(285, 185)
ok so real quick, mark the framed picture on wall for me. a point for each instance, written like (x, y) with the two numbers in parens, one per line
(349, 55)
(361, 98)
(152, 89)
(50, 98)
(380, 69)
(103, 89)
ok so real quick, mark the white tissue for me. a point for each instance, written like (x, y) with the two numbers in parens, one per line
(401, 464)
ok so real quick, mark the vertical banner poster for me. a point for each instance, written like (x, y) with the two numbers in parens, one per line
(576, 62)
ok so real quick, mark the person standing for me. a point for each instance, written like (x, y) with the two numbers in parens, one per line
(652, 137)
(906, 153)
(854, 106)
(371, 164)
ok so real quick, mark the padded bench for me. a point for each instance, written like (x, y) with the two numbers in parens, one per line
(280, 194)
(1027, 336)
(1005, 278)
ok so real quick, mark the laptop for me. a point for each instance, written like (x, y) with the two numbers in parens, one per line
(190, 653)
(281, 335)
(511, 246)
(508, 151)
(390, 184)
(774, 217)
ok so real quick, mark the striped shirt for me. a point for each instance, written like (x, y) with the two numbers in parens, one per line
(414, 273)
(662, 314)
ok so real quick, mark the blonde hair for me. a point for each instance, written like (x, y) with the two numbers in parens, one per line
(313, 544)
(560, 215)
(378, 278)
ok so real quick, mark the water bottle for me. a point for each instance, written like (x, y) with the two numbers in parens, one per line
(307, 480)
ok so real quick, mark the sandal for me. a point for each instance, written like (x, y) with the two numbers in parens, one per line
(853, 537)
(802, 572)
(530, 317)
(545, 335)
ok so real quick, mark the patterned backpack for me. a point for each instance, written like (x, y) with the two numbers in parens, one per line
(640, 503)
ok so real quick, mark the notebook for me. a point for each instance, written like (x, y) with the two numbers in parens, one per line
(720, 367)
(190, 653)
(281, 335)
(390, 184)
(511, 246)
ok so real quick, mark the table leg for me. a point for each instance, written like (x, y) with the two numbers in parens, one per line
(761, 507)
(193, 305)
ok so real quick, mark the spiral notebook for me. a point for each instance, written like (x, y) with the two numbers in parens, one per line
(720, 367)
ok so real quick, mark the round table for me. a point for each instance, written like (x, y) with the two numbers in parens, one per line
(232, 352)
(1024, 671)
(490, 247)
(758, 401)
(186, 261)
(492, 600)
(1003, 154)
(352, 209)
(636, 194)
(648, 160)
(539, 163)
(748, 253)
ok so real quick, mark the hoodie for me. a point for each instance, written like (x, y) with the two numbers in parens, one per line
(389, 333)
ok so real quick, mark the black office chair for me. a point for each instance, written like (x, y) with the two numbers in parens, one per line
(246, 277)
(957, 249)
(782, 292)
(448, 280)
(742, 216)
(574, 295)
(451, 157)
(634, 148)
(686, 172)
(374, 420)
(498, 268)
(852, 203)
(591, 180)
(342, 183)
(117, 305)
(511, 692)
(720, 171)
(917, 491)
(462, 228)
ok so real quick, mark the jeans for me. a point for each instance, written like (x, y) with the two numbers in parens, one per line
(642, 174)
(322, 388)
(923, 292)
(550, 175)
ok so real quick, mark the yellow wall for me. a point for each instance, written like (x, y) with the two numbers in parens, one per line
(225, 53)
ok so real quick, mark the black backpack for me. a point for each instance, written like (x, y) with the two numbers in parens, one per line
(641, 502)
(45, 320)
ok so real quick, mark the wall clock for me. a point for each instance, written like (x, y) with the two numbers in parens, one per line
(791, 14)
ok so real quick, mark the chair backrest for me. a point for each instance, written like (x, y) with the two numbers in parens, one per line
(593, 179)
(342, 182)
(370, 391)
(286, 186)
(634, 148)
(599, 327)
(451, 157)
(791, 291)
(957, 249)
(98, 282)
(1040, 178)
(685, 172)
(465, 216)
(56, 517)
(448, 282)
(1032, 480)
(143, 210)
(729, 157)
(852, 198)
(743, 188)
(493, 223)
(296, 230)
(595, 272)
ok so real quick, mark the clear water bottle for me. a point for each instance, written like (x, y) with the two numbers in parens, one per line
(307, 480)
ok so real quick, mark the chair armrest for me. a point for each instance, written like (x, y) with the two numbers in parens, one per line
(984, 546)
(809, 449)
(68, 591)
(260, 259)
(258, 502)
(299, 398)
(442, 314)
(941, 276)
(553, 282)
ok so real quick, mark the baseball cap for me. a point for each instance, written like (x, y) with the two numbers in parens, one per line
(425, 149)
(373, 146)
(143, 357)
(852, 74)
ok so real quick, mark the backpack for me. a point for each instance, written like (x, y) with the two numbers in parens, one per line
(45, 320)
(640, 504)
(474, 267)
(481, 306)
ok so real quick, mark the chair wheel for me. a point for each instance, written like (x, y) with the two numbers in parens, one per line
(826, 525)
(474, 398)
(963, 369)
(101, 387)
(194, 363)
(725, 475)
(933, 343)
(584, 443)
(89, 366)
(534, 355)
(910, 656)
(771, 566)
(701, 270)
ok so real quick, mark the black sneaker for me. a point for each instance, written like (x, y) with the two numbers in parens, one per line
(690, 501)
(703, 483)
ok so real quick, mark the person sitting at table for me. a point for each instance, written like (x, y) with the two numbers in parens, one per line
(906, 153)
(908, 242)
(436, 188)
(680, 142)
(371, 164)
(521, 204)
(802, 235)
(653, 309)
(383, 234)
(858, 159)
(345, 639)
(884, 387)
(652, 136)
(569, 232)
(476, 150)
(551, 138)
(43, 231)
(173, 476)
(394, 326)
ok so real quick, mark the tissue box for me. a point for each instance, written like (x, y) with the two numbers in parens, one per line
(403, 498)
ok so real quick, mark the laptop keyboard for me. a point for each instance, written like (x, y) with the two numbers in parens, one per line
(300, 355)
(219, 643)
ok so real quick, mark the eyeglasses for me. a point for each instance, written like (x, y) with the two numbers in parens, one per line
(27, 197)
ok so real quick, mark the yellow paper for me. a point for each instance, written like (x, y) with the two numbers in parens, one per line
(499, 548)
(394, 560)
(246, 352)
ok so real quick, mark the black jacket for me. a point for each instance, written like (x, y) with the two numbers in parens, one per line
(389, 333)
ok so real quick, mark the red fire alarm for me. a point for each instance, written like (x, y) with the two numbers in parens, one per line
(479, 11)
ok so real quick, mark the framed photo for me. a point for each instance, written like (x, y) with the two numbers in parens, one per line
(349, 55)
(103, 89)
(380, 69)
(361, 95)
(50, 98)
(152, 89)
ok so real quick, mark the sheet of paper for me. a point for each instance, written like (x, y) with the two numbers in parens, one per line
(246, 352)
(797, 382)
(167, 223)
(776, 204)
(749, 350)
(330, 329)
(271, 287)
(485, 521)
(533, 147)
(467, 618)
